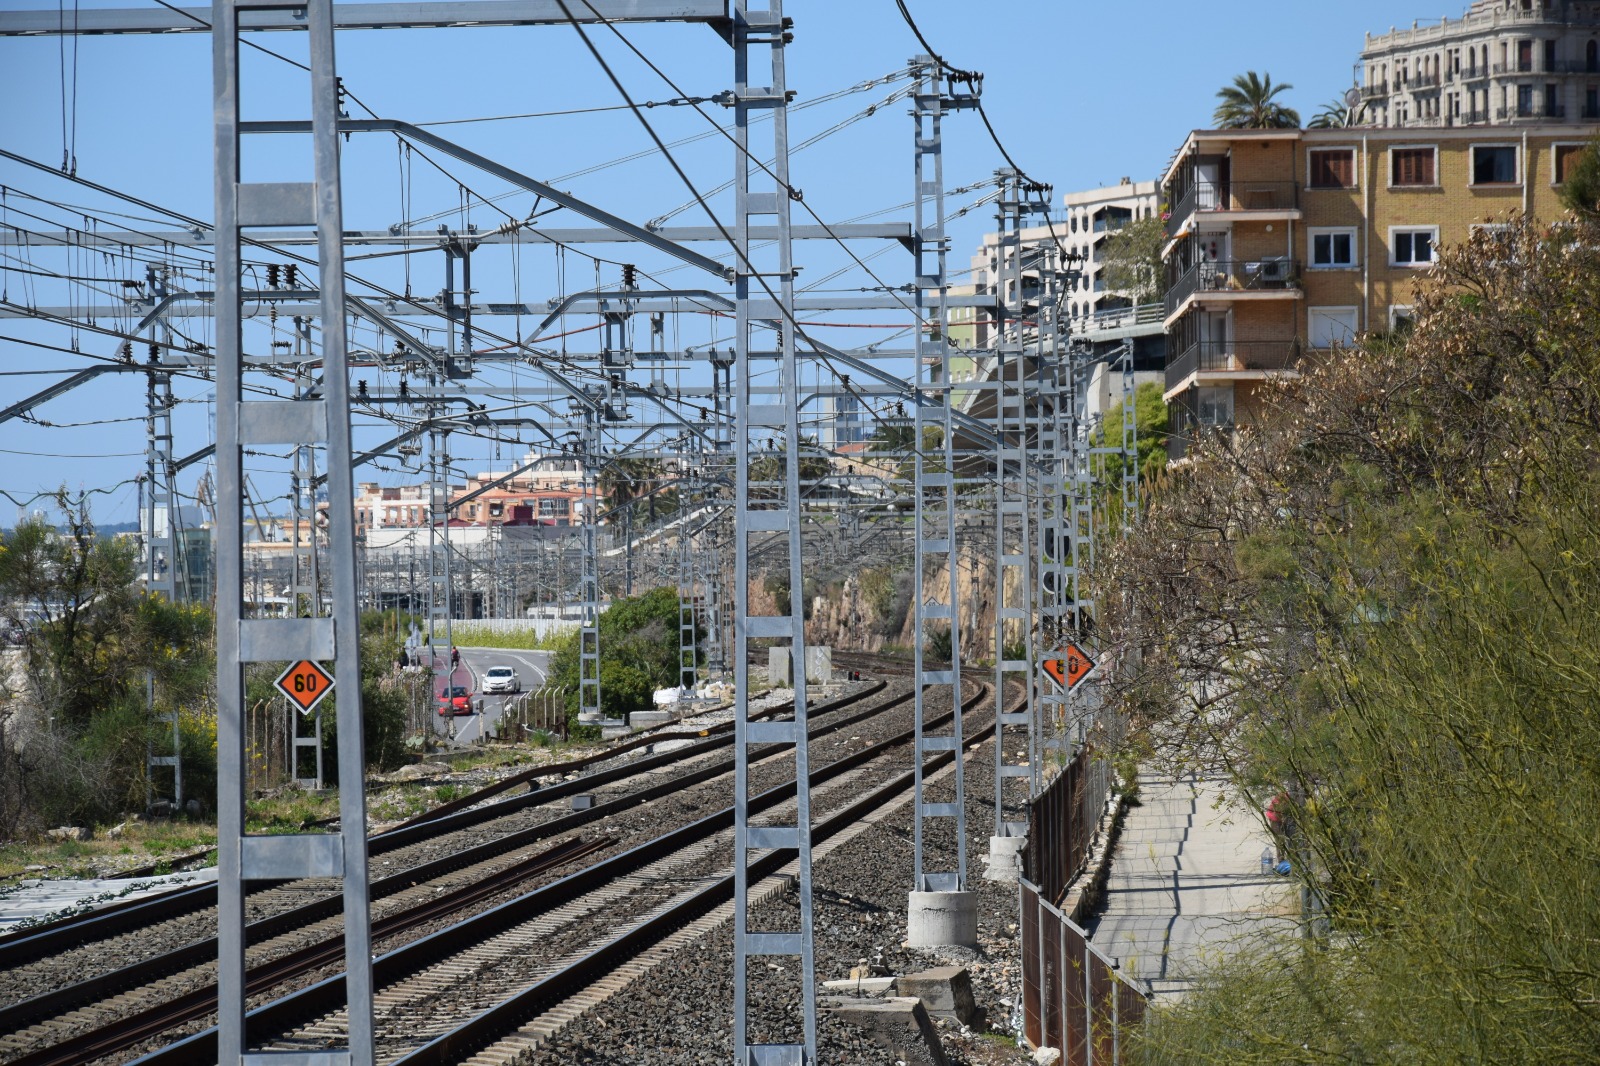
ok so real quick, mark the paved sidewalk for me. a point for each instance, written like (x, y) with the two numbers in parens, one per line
(1186, 885)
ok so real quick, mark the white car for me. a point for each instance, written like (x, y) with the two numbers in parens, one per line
(501, 679)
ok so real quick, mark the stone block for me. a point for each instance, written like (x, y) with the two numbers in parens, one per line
(899, 1024)
(945, 992)
(819, 664)
(780, 666)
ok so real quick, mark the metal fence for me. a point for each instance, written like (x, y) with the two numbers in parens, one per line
(1073, 998)
(1063, 822)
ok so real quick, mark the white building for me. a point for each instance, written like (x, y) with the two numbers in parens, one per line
(1505, 62)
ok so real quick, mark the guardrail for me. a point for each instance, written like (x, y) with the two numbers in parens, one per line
(1118, 318)
(1213, 356)
(1233, 196)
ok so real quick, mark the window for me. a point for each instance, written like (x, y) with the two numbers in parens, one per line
(496, 510)
(1401, 318)
(1333, 248)
(1524, 55)
(1494, 164)
(1411, 166)
(1412, 246)
(1565, 157)
(1332, 325)
(1214, 405)
(1549, 56)
(1524, 101)
(1331, 168)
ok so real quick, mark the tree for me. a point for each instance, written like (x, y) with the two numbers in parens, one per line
(1336, 115)
(1131, 260)
(638, 653)
(1581, 191)
(1248, 104)
(1379, 599)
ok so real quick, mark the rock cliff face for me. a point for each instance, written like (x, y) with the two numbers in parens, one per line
(844, 621)
(976, 608)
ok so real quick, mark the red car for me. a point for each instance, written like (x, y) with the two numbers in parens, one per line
(456, 699)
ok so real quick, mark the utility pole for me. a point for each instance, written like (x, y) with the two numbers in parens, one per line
(246, 422)
(759, 40)
(942, 912)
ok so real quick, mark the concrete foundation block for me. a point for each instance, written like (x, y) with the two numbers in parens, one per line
(861, 986)
(648, 719)
(943, 920)
(899, 1024)
(1005, 858)
(819, 665)
(780, 666)
(945, 992)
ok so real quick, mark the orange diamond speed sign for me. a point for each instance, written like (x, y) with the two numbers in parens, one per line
(1071, 668)
(305, 683)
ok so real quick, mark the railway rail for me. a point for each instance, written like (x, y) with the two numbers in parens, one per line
(426, 969)
(129, 1031)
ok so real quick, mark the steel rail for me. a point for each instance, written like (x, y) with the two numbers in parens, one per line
(38, 942)
(16, 1016)
(203, 1001)
(328, 994)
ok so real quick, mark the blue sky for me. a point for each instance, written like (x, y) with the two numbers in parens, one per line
(1083, 94)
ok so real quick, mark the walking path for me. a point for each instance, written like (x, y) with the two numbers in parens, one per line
(1186, 885)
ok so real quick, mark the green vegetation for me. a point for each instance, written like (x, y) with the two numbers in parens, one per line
(469, 635)
(1581, 191)
(1131, 260)
(75, 731)
(1380, 600)
(639, 654)
(1249, 104)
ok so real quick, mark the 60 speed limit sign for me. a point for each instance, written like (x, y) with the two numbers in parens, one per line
(305, 683)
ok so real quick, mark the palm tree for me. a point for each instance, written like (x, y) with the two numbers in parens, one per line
(1335, 115)
(1248, 104)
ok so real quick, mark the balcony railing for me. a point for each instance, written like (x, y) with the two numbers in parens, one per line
(1257, 275)
(1233, 196)
(1511, 114)
(1575, 66)
(1591, 111)
(1210, 357)
(1118, 318)
(1474, 73)
(1375, 90)
(1422, 81)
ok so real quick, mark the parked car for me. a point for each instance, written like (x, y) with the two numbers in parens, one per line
(456, 699)
(501, 679)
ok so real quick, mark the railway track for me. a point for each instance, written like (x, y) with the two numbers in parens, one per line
(51, 939)
(458, 967)
(30, 1022)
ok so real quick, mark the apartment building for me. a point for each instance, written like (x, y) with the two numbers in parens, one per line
(1287, 241)
(550, 492)
(1505, 62)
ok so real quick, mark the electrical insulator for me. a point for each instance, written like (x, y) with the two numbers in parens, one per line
(272, 275)
(155, 353)
(405, 389)
(289, 271)
(630, 274)
(361, 388)
(127, 351)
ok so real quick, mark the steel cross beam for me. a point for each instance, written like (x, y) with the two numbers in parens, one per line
(510, 177)
(417, 14)
(200, 238)
(934, 511)
(759, 38)
(243, 423)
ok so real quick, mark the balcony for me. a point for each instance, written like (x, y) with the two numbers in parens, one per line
(1234, 360)
(1242, 196)
(1422, 83)
(1275, 275)
(1375, 91)
(1474, 73)
(1530, 114)
(1591, 111)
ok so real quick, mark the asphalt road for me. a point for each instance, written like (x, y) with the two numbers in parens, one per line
(531, 667)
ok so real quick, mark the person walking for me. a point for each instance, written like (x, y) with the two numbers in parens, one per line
(455, 658)
(1278, 822)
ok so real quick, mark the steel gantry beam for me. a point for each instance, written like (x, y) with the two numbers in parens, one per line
(244, 422)
(759, 38)
(942, 913)
(418, 14)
